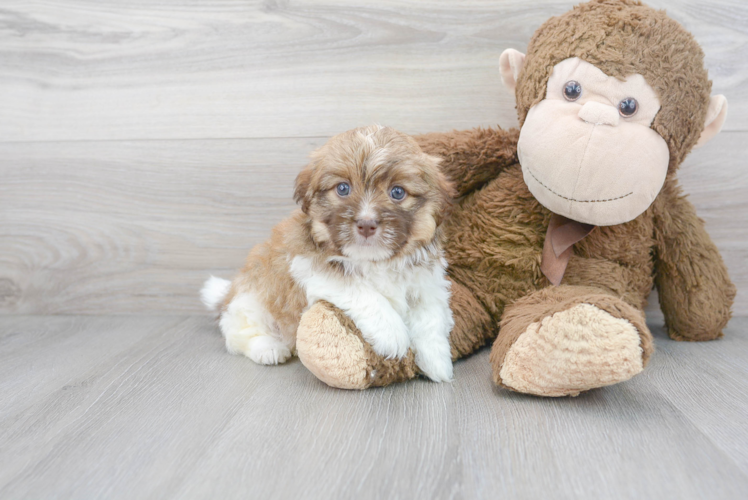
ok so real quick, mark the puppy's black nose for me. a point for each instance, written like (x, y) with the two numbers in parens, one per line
(366, 228)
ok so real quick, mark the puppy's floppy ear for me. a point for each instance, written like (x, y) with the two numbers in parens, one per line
(302, 193)
(445, 190)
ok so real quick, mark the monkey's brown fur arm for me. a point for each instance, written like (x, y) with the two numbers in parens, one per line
(471, 158)
(696, 293)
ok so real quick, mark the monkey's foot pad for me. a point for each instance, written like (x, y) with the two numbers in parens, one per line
(571, 351)
(331, 347)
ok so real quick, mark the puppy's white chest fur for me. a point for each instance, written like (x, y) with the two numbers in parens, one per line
(402, 284)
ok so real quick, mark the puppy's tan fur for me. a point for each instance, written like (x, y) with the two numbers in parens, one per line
(372, 161)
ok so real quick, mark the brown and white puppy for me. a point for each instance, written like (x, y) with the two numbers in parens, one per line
(367, 240)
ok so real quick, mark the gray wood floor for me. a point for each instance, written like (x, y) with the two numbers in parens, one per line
(153, 407)
(145, 145)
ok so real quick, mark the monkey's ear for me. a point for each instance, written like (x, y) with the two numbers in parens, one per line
(715, 118)
(302, 194)
(510, 64)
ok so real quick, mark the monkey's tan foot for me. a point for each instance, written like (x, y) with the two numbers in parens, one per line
(562, 342)
(332, 348)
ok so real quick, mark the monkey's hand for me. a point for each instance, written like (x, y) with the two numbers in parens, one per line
(696, 293)
(471, 158)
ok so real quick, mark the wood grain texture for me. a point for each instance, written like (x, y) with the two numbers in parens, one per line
(129, 227)
(93, 223)
(132, 227)
(177, 69)
(153, 407)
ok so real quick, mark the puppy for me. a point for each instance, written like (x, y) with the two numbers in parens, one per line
(366, 239)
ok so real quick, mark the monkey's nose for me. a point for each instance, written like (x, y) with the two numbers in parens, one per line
(366, 228)
(598, 113)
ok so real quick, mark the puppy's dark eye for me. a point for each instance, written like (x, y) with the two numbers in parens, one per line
(628, 107)
(343, 189)
(397, 193)
(572, 90)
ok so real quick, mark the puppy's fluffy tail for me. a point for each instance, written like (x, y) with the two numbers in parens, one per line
(214, 292)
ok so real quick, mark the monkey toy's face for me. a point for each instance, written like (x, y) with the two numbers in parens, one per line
(587, 150)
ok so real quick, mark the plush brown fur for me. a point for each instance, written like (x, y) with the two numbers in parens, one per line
(495, 235)
(695, 291)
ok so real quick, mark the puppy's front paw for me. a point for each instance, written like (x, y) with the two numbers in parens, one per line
(434, 358)
(387, 335)
(266, 350)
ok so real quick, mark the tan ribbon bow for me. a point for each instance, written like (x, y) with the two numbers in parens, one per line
(561, 236)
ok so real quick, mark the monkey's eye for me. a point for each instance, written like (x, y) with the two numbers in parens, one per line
(628, 107)
(572, 90)
(397, 193)
(343, 189)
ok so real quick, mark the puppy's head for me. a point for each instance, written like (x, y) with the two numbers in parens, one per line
(372, 194)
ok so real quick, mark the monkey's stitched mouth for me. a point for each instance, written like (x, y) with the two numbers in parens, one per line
(572, 199)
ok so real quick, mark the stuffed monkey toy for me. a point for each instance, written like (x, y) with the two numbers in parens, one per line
(563, 227)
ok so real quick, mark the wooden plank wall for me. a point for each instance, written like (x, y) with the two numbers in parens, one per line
(145, 145)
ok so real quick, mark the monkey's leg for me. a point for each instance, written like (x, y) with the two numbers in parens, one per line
(560, 341)
(332, 348)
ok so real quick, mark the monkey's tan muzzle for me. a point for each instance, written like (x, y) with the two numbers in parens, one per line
(588, 165)
(596, 113)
